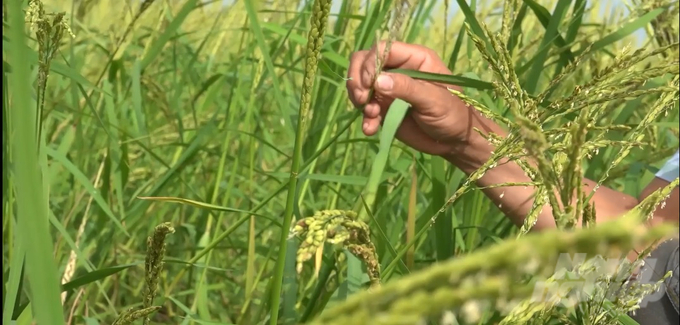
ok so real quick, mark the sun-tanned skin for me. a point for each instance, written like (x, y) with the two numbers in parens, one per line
(441, 124)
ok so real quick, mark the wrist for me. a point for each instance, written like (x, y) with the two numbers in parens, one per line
(470, 154)
(473, 149)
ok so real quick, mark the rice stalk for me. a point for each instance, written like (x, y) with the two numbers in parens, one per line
(153, 267)
(315, 39)
(48, 34)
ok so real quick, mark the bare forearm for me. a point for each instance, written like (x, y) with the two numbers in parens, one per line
(516, 201)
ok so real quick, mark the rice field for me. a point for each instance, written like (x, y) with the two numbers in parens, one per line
(199, 162)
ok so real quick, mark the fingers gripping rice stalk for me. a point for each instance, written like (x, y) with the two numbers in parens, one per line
(394, 115)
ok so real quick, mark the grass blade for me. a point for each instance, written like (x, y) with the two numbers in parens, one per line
(96, 275)
(393, 119)
(444, 78)
(198, 204)
(281, 101)
(625, 30)
(546, 19)
(551, 31)
(32, 214)
(77, 174)
(474, 24)
(13, 284)
(158, 44)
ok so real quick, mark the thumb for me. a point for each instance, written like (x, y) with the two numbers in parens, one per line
(395, 85)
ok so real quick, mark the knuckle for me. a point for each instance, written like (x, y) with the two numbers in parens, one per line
(402, 84)
(408, 87)
(430, 53)
(427, 51)
(355, 56)
(366, 77)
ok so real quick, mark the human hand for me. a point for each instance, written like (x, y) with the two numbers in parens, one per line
(438, 122)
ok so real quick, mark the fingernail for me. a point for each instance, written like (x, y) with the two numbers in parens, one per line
(365, 126)
(384, 82)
